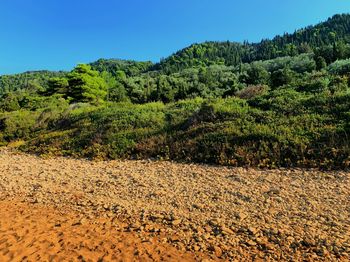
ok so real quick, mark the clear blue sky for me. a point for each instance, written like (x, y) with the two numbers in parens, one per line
(58, 34)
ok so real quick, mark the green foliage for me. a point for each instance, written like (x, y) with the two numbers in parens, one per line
(29, 81)
(57, 85)
(328, 40)
(17, 124)
(281, 77)
(10, 102)
(281, 128)
(113, 66)
(255, 75)
(81, 85)
(340, 67)
(86, 85)
(282, 101)
(320, 62)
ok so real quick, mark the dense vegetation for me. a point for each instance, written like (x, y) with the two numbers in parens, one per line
(328, 41)
(280, 102)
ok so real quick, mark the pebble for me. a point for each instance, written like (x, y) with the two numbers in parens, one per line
(176, 222)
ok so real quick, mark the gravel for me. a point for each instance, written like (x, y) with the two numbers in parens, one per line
(230, 213)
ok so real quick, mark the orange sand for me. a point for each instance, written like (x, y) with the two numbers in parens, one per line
(37, 233)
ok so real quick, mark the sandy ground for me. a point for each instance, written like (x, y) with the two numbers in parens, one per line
(29, 233)
(141, 210)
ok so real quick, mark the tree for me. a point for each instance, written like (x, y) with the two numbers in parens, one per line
(317, 85)
(281, 77)
(86, 85)
(81, 85)
(320, 62)
(57, 85)
(326, 52)
(338, 83)
(116, 89)
(10, 102)
(256, 74)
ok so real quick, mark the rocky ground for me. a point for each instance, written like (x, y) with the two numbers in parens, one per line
(183, 211)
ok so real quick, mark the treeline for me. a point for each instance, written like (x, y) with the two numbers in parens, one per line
(86, 85)
(113, 66)
(27, 81)
(329, 41)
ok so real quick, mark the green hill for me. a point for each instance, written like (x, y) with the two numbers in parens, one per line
(328, 39)
(280, 102)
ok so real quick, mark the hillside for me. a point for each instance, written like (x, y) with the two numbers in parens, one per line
(328, 39)
(223, 103)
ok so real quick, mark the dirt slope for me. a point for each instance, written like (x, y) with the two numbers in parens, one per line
(165, 211)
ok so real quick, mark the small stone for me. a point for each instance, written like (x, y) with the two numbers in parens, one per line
(83, 221)
(241, 216)
(208, 229)
(77, 223)
(253, 230)
(206, 236)
(273, 191)
(260, 241)
(176, 222)
(217, 250)
(226, 230)
(215, 222)
(136, 225)
(157, 217)
(251, 243)
(196, 248)
(174, 239)
(123, 226)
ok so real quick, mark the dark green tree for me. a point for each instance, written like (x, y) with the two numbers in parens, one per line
(86, 85)
(281, 77)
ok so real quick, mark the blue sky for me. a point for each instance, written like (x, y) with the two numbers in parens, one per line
(58, 34)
